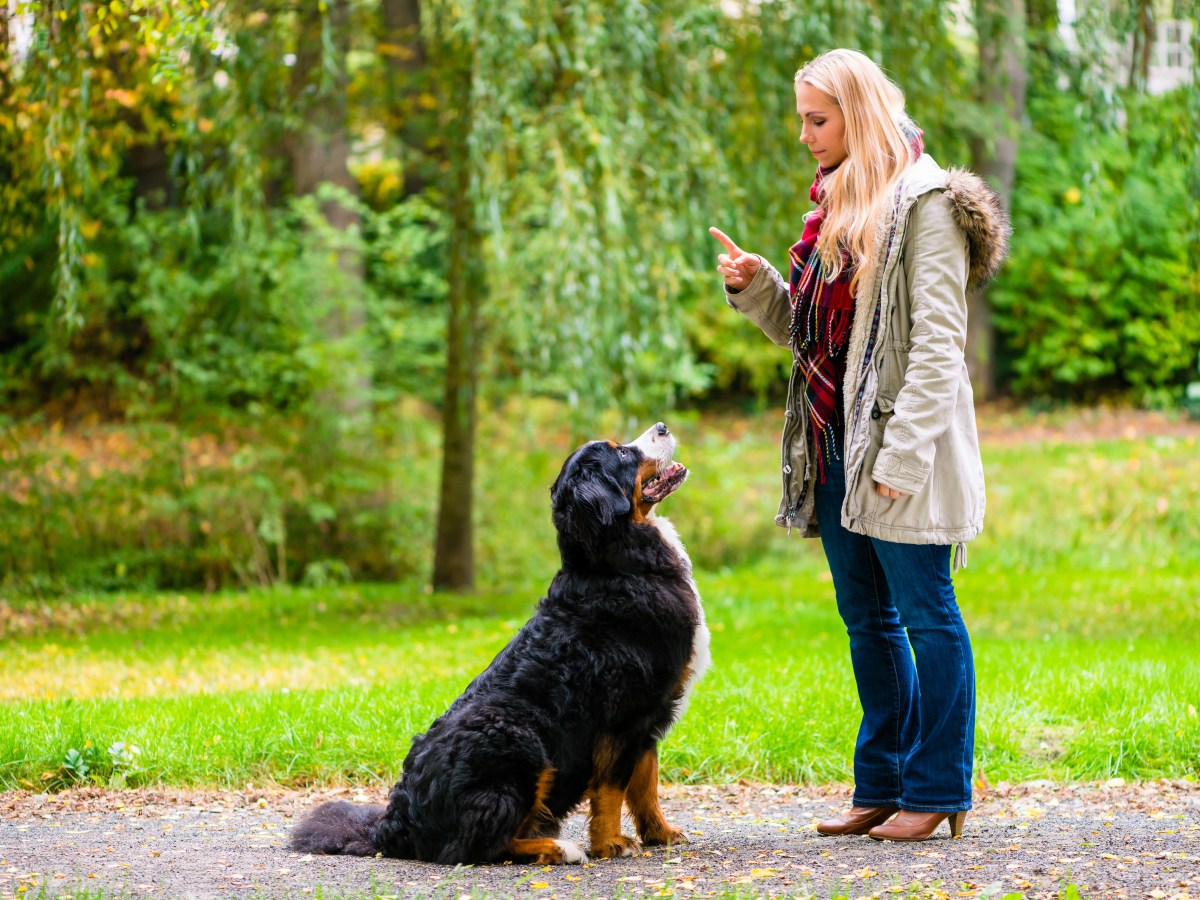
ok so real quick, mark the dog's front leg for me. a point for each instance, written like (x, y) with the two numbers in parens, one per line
(604, 828)
(652, 826)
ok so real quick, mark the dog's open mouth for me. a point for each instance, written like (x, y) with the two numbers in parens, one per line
(664, 482)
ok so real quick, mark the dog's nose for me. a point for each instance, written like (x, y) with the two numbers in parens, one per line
(661, 429)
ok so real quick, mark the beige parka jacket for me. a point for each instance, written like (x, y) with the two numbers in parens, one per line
(909, 411)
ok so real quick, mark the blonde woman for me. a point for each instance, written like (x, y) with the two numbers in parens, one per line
(880, 453)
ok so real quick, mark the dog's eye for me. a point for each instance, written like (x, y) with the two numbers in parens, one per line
(623, 452)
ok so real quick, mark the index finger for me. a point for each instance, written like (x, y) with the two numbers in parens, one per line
(724, 239)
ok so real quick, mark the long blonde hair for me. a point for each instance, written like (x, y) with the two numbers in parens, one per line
(856, 194)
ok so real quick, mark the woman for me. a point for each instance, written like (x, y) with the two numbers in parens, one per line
(880, 453)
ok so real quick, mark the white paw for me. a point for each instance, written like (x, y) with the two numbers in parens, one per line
(572, 854)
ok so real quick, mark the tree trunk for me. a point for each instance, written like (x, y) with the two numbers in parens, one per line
(1000, 26)
(1142, 43)
(454, 557)
(410, 116)
(319, 153)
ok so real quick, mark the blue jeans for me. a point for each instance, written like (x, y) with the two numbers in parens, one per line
(917, 736)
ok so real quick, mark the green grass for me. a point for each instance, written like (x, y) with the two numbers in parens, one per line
(1082, 597)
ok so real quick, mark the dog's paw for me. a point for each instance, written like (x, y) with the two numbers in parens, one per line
(617, 846)
(572, 854)
(665, 833)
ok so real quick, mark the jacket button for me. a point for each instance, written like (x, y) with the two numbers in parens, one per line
(788, 413)
(787, 470)
(875, 413)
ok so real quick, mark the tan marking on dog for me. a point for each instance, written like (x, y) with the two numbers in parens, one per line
(541, 851)
(642, 796)
(681, 685)
(604, 827)
(539, 820)
(641, 509)
(604, 759)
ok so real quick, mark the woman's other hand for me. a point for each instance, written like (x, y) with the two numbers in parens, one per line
(737, 265)
(890, 492)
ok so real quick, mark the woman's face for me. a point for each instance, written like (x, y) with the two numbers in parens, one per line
(823, 127)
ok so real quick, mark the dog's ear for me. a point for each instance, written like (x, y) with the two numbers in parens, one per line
(602, 499)
(586, 503)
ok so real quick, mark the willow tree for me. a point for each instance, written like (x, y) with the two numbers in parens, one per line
(319, 151)
(583, 158)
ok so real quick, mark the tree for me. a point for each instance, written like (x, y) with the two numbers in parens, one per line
(579, 168)
(1000, 30)
(454, 553)
(319, 151)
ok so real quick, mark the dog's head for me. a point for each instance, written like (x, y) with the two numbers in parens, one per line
(605, 485)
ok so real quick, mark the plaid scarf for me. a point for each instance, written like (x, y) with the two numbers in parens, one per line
(822, 313)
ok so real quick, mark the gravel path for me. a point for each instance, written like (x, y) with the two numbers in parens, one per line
(1111, 840)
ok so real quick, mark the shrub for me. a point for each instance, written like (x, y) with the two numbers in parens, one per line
(1098, 297)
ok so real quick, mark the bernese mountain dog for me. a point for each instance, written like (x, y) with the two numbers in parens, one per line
(572, 710)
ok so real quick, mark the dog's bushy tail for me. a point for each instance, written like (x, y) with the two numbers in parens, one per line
(338, 827)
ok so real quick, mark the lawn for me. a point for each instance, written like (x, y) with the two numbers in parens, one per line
(1082, 598)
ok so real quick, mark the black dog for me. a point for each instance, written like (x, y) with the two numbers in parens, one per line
(573, 708)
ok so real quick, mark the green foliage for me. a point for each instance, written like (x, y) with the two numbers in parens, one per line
(245, 502)
(150, 192)
(116, 767)
(178, 323)
(1099, 296)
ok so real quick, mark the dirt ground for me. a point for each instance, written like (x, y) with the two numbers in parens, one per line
(1110, 840)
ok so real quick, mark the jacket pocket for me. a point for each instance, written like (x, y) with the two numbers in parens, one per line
(893, 364)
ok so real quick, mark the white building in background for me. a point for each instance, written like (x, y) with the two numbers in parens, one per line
(1171, 56)
(1171, 63)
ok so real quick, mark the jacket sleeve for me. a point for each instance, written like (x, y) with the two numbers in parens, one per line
(764, 301)
(938, 308)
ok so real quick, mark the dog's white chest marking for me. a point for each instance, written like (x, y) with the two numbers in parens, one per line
(701, 655)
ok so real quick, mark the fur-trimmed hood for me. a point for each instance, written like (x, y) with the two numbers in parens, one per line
(977, 210)
(981, 215)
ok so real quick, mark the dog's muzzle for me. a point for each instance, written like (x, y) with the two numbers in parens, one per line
(658, 445)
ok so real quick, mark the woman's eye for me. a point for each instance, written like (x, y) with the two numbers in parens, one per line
(822, 122)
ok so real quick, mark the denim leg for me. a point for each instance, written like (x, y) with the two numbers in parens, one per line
(937, 772)
(879, 652)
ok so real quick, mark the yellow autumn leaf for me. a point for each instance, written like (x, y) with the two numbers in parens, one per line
(538, 885)
(126, 98)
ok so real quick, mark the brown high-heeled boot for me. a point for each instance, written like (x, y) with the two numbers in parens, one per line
(917, 826)
(859, 820)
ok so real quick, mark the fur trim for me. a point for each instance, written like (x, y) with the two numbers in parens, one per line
(980, 213)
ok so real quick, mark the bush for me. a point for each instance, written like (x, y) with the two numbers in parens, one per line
(186, 308)
(1099, 297)
(228, 502)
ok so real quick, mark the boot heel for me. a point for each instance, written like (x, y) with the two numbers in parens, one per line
(956, 823)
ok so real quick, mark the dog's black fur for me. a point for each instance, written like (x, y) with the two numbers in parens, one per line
(572, 709)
